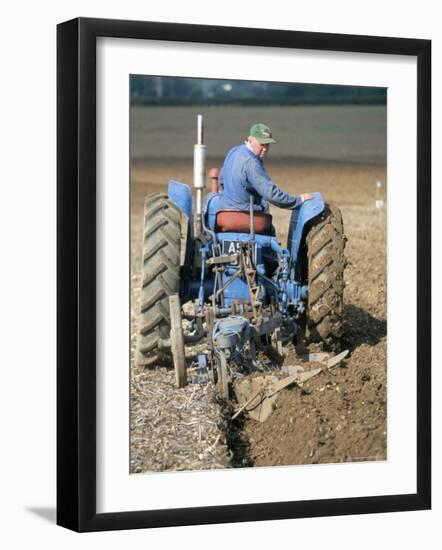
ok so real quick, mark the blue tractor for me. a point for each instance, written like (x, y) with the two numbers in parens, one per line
(240, 288)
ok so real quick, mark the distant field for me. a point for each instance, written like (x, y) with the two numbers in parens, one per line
(351, 133)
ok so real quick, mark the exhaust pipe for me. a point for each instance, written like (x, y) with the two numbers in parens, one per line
(199, 174)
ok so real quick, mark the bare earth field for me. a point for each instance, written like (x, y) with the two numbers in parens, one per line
(340, 416)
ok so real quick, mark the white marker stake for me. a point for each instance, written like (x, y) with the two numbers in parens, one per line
(379, 203)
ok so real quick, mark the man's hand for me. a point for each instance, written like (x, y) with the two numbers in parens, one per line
(305, 197)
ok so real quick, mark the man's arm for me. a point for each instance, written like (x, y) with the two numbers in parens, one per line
(264, 186)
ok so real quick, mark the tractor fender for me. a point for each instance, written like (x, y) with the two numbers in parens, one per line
(211, 209)
(300, 216)
(181, 195)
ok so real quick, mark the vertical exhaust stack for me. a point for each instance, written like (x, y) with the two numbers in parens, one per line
(199, 174)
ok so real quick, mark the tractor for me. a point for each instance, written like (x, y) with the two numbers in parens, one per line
(223, 283)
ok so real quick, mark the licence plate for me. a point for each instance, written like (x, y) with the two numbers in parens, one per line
(232, 247)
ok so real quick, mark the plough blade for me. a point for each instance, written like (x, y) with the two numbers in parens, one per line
(258, 395)
(333, 361)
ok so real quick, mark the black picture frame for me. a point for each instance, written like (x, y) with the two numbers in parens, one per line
(76, 274)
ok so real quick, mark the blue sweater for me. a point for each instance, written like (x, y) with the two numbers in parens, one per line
(243, 175)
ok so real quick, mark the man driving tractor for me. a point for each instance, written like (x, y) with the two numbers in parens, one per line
(243, 176)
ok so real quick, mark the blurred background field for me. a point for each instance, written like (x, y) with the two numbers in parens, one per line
(345, 133)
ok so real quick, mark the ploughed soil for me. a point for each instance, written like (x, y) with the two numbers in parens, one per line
(338, 416)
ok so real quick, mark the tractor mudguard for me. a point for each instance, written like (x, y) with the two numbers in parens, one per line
(211, 208)
(300, 216)
(181, 195)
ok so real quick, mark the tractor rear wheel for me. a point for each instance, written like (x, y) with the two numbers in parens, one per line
(160, 277)
(325, 243)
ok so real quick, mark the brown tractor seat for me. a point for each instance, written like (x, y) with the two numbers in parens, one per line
(236, 221)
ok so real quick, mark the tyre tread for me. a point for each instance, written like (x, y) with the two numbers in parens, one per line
(160, 277)
(325, 242)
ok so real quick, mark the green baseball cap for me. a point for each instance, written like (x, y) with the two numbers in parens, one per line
(262, 133)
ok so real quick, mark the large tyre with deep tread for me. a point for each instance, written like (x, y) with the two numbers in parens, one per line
(325, 244)
(160, 277)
